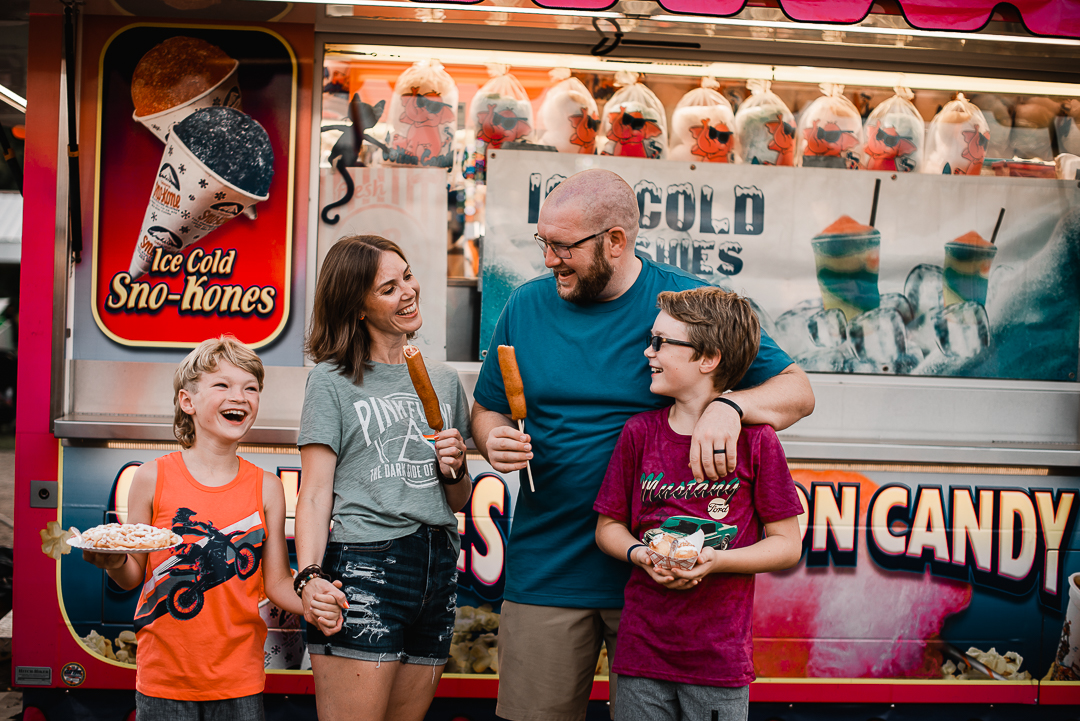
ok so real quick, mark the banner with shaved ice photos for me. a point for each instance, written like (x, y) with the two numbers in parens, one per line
(193, 228)
(948, 276)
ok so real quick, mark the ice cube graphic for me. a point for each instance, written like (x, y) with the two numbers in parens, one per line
(901, 304)
(923, 287)
(963, 330)
(792, 328)
(828, 328)
(827, 360)
(880, 342)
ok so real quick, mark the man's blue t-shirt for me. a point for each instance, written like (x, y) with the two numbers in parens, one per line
(585, 373)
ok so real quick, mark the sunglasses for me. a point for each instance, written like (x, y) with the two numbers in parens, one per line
(789, 130)
(720, 136)
(632, 122)
(560, 250)
(829, 136)
(506, 122)
(890, 141)
(592, 123)
(655, 341)
(432, 106)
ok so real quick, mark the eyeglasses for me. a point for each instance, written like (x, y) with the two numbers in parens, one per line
(655, 341)
(559, 249)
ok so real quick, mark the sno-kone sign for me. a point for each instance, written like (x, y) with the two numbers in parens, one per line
(928, 282)
(193, 234)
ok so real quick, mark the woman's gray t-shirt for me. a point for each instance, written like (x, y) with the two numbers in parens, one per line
(385, 484)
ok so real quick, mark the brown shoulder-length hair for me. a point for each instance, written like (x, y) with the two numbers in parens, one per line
(338, 333)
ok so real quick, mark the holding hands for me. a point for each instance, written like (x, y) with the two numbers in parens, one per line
(324, 604)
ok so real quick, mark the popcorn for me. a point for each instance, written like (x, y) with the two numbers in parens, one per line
(485, 654)
(99, 644)
(54, 541)
(126, 644)
(1008, 665)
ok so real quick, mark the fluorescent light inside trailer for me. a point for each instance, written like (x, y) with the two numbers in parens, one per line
(742, 71)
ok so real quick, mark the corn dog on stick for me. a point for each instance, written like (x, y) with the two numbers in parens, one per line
(515, 394)
(422, 383)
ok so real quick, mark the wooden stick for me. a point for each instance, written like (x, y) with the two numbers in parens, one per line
(528, 468)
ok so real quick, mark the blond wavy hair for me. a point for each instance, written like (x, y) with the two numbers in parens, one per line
(205, 359)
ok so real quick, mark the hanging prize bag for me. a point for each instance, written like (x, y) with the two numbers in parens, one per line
(568, 117)
(830, 131)
(894, 135)
(956, 140)
(634, 123)
(423, 117)
(703, 126)
(764, 127)
(500, 112)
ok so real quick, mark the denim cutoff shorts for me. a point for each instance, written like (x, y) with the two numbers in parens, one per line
(402, 599)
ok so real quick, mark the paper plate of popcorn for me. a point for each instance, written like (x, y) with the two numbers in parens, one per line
(124, 538)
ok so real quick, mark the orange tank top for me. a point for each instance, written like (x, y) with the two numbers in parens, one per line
(198, 625)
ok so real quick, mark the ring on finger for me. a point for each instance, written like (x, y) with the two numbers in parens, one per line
(722, 450)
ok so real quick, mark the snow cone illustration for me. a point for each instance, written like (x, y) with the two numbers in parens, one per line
(217, 164)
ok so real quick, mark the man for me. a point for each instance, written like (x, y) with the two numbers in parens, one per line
(579, 335)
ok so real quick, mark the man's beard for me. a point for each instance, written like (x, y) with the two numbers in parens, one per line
(592, 281)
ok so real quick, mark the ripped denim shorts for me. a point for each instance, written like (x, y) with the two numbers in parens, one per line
(402, 599)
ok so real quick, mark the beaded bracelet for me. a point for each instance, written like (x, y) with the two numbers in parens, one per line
(304, 577)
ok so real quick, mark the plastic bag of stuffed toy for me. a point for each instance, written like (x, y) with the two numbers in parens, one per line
(956, 140)
(764, 127)
(634, 123)
(703, 126)
(829, 132)
(500, 112)
(894, 134)
(568, 117)
(423, 117)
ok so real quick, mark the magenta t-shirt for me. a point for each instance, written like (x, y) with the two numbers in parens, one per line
(701, 636)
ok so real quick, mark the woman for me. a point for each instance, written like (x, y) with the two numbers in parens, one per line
(389, 493)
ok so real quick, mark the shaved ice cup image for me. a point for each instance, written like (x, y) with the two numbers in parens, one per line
(847, 255)
(225, 94)
(217, 164)
(967, 269)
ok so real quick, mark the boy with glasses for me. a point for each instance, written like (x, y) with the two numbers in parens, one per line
(684, 644)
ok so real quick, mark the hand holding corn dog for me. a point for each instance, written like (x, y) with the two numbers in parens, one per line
(449, 446)
(515, 394)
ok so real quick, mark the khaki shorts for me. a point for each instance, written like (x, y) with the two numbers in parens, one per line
(547, 658)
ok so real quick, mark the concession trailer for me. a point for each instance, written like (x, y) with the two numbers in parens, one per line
(895, 185)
